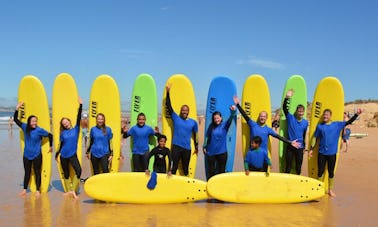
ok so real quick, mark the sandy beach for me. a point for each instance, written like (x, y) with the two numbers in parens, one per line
(356, 186)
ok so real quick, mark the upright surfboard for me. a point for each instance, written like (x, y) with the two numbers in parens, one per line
(144, 100)
(220, 98)
(257, 187)
(255, 98)
(132, 188)
(329, 94)
(181, 93)
(65, 104)
(105, 99)
(298, 84)
(32, 92)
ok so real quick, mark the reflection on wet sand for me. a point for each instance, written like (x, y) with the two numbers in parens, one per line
(69, 213)
(37, 210)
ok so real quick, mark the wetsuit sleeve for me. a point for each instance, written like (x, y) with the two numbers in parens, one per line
(78, 119)
(170, 163)
(125, 135)
(350, 121)
(59, 149)
(50, 139)
(243, 113)
(229, 120)
(168, 103)
(283, 139)
(15, 119)
(90, 144)
(285, 107)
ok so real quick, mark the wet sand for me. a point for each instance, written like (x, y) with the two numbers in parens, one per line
(356, 186)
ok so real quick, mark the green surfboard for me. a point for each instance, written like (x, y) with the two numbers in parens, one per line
(144, 100)
(298, 84)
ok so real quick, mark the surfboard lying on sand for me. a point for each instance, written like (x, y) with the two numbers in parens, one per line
(220, 98)
(181, 93)
(358, 135)
(329, 94)
(131, 187)
(65, 104)
(257, 187)
(32, 92)
(298, 84)
(105, 99)
(144, 100)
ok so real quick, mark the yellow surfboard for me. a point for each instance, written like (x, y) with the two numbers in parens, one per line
(131, 187)
(257, 187)
(329, 94)
(105, 99)
(181, 93)
(32, 92)
(255, 98)
(65, 104)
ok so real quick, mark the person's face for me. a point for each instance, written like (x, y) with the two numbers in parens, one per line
(254, 145)
(217, 119)
(66, 123)
(100, 120)
(327, 116)
(299, 113)
(141, 120)
(184, 112)
(262, 117)
(162, 142)
(33, 122)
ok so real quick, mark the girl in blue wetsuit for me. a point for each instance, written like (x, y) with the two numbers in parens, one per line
(32, 151)
(297, 128)
(67, 149)
(184, 129)
(215, 145)
(327, 133)
(261, 129)
(141, 134)
(100, 148)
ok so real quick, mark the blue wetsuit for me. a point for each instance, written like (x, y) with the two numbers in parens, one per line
(100, 148)
(257, 160)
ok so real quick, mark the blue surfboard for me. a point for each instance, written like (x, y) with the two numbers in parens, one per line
(220, 98)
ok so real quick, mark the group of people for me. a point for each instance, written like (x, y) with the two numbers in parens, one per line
(100, 152)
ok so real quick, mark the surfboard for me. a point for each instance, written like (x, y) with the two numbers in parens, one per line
(329, 94)
(358, 135)
(181, 93)
(298, 84)
(219, 98)
(257, 187)
(32, 92)
(65, 104)
(255, 98)
(104, 98)
(144, 100)
(131, 187)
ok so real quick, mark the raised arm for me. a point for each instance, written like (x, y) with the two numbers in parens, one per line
(243, 113)
(168, 103)
(285, 107)
(350, 121)
(78, 118)
(15, 115)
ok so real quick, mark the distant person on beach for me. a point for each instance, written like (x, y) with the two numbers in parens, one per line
(100, 148)
(215, 144)
(68, 150)
(32, 151)
(160, 152)
(84, 124)
(141, 134)
(256, 158)
(296, 130)
(184, 129)
(276, 120)
(260, 128)
(10, 124)
(327, 134)
(345, 134)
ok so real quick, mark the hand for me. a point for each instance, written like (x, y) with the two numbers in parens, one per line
(147, 172)
(232, 107)
(310, 153)
(80, 100)
(88, 156)
(156, 129)
(50, 149)
(204, 150)
(359, 111)
(236, 99)
(19, 105)
(295, 144)
(168, 87)
(289, 93)
(247, 172)
(110, 158)
(169, 173)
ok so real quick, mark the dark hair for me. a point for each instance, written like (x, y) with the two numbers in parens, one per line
(103, 128)
(28, 128)
(141, 115)
(257, 140)
(300, 106)
(161, 136)
(212, 117)
(327, 110)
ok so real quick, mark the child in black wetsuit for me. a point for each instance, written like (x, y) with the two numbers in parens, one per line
(160, 152)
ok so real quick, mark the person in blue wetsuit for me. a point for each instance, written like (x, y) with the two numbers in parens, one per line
(160, 152)
(256, 158)
(68, 150)
(260, 128)
(184, 129)
(215, 145)
(32, 157)
(327, 134)
(140, 133)
(296, 128)
(99, 150)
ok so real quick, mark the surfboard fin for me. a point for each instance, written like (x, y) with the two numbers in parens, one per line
(153, 181)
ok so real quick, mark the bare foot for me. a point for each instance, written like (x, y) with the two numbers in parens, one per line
(67, 193)
(74, 195)
(331, 193)
(37, 194)
(22, 193)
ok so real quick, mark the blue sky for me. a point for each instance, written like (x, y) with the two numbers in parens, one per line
(201, 39)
